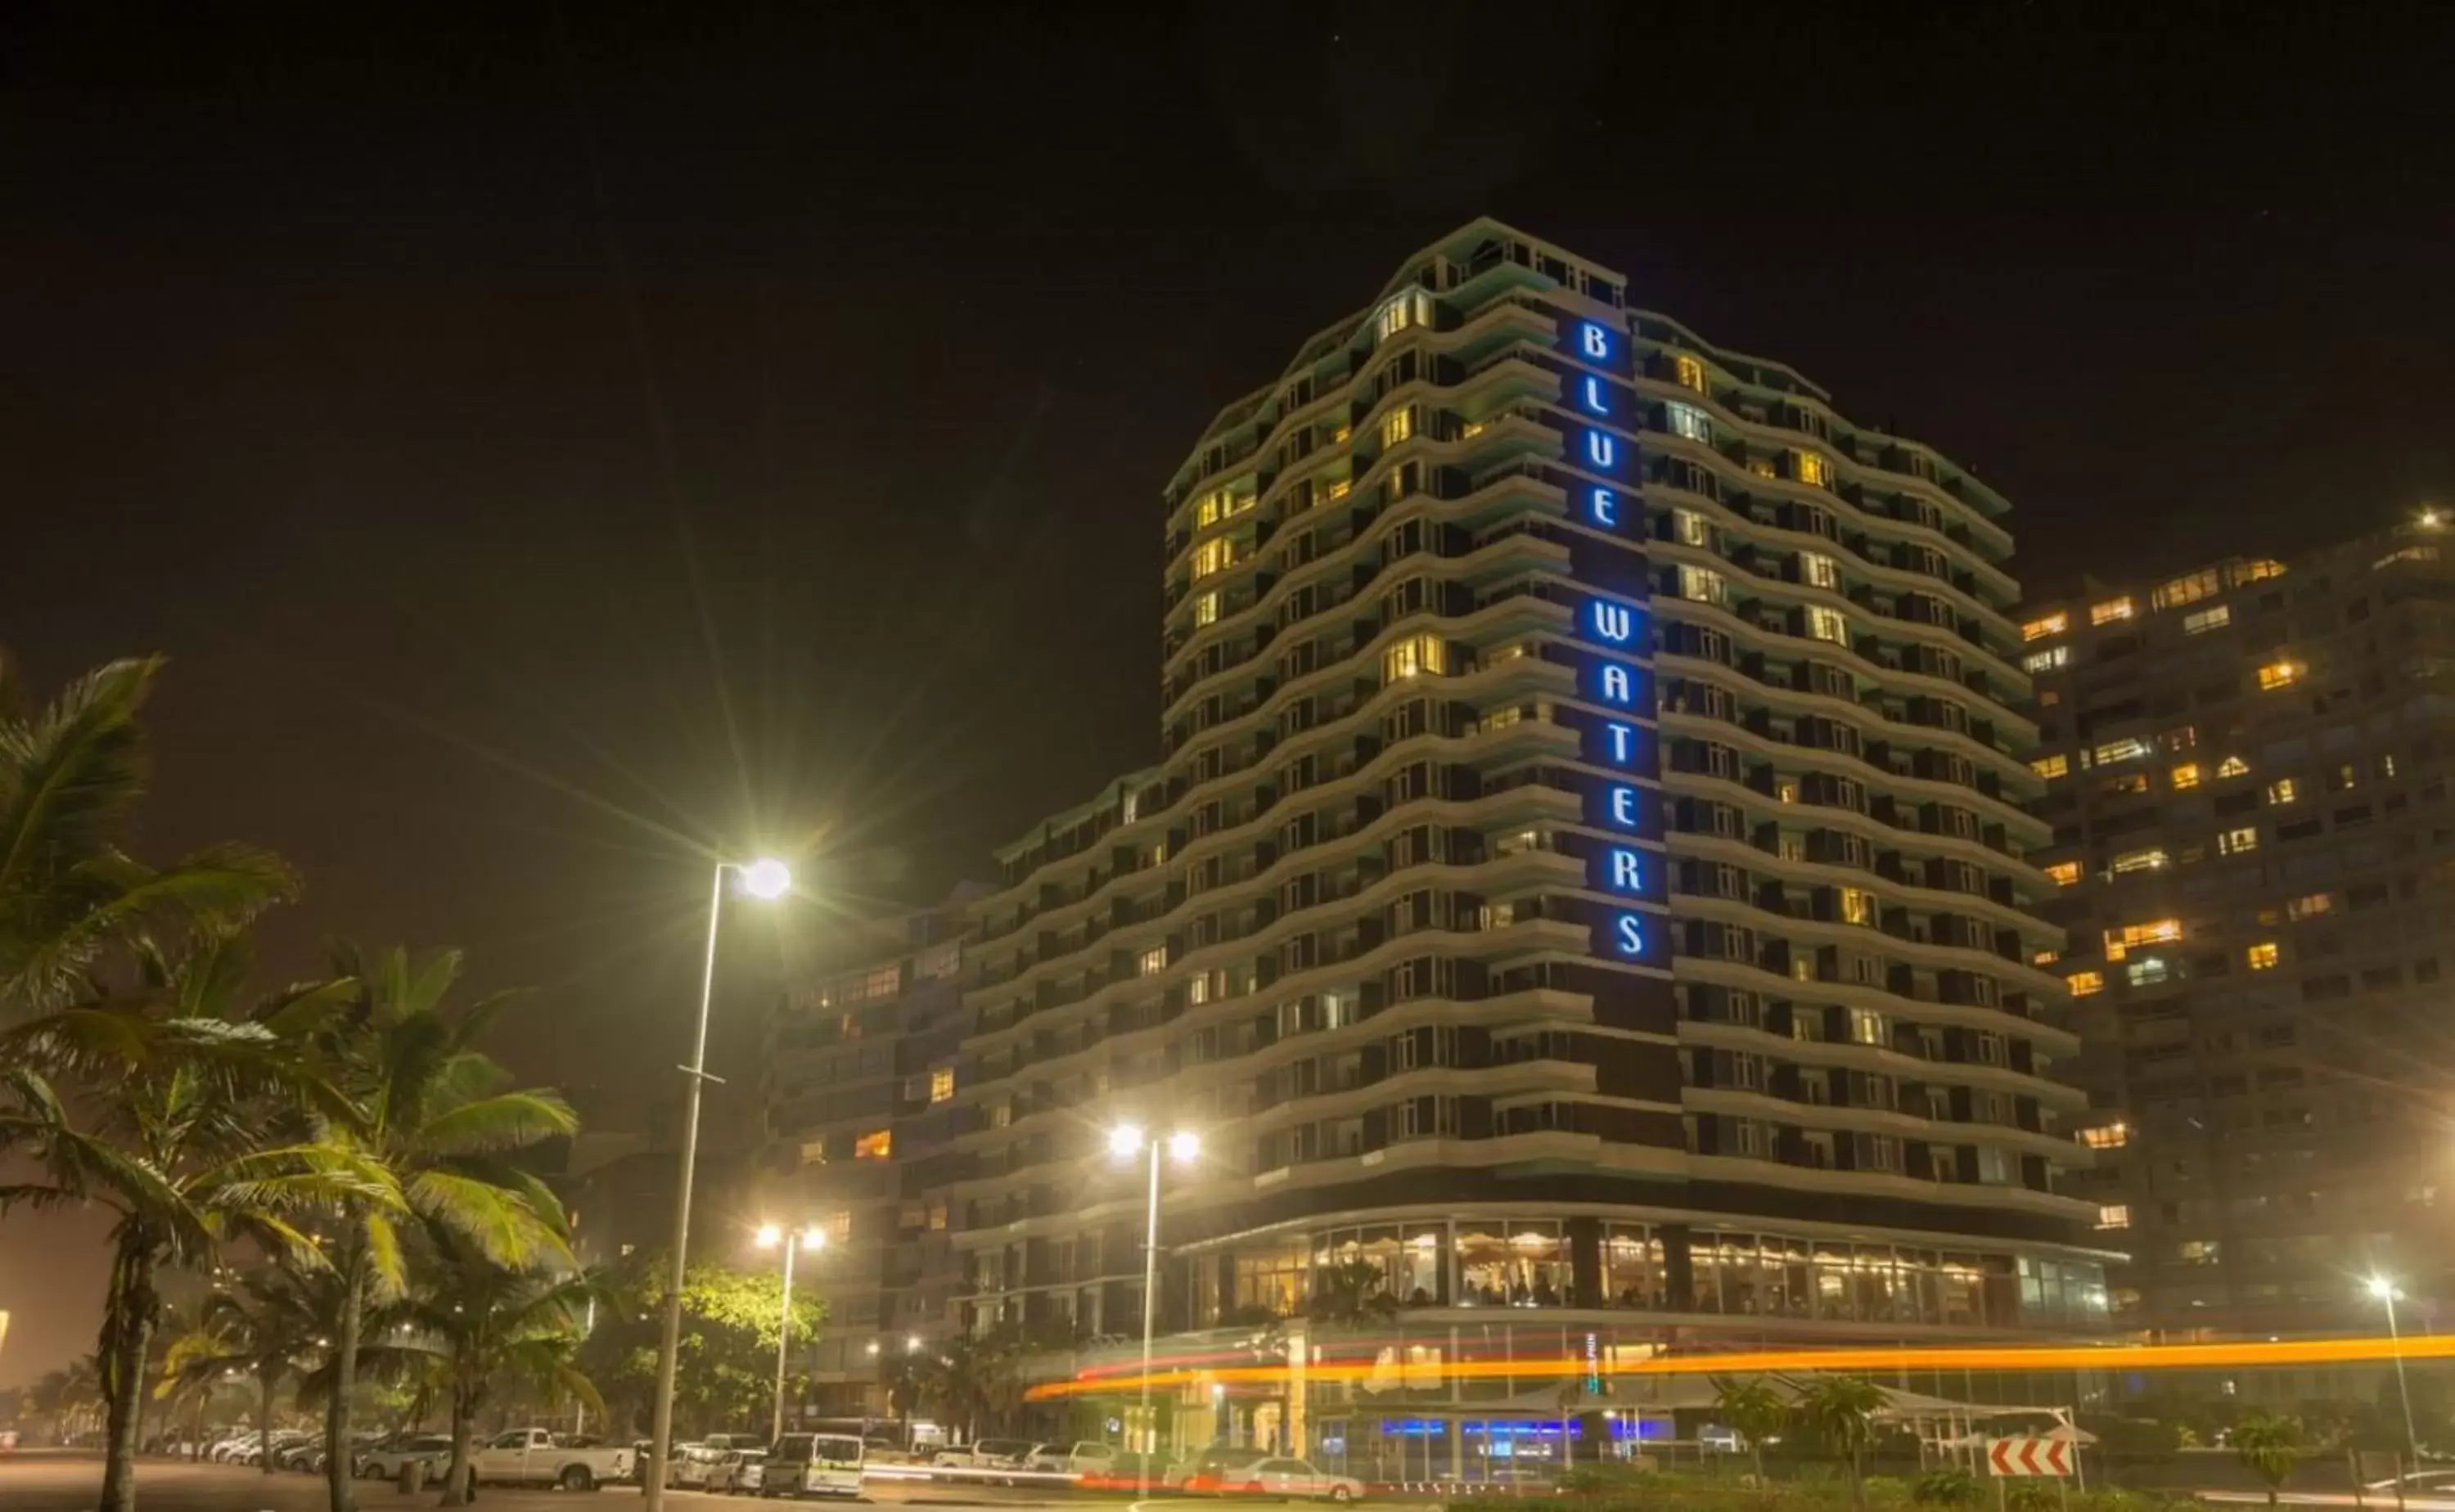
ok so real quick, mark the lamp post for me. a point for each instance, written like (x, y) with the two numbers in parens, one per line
(770, 1235)
(765, 879)
(2384, 1291)
(1126, 1141)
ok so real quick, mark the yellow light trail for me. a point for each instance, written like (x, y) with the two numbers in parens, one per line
(2039, 1357)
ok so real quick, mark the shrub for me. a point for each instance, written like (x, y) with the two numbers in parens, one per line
(2033, 1493)
(1947, 1486)
(1887, 1491)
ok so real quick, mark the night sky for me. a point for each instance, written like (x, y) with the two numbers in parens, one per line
(557, 445)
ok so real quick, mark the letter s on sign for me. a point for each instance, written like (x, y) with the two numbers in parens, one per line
(1632, 934)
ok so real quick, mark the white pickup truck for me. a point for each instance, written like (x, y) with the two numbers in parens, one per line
(539, 1457)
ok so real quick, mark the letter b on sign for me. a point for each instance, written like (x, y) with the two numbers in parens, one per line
(1595, 341)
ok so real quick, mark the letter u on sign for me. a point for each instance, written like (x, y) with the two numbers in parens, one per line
(1602, 450)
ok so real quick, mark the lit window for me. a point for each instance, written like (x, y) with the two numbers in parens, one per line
(2106, 1137)
(1397, 425)
(1689, 528)
(937, 1217)
(1154, 961)
(1818, 570)
(2181, 738)
(1413, 308)
(2280, 791)
(2147, 971)
(1213, 555)
(2232, 767)
(1807, 467)
(2114, 1215)
(2045, 958)
(1827, 624)
(2130, 747)
(1703, 585)
(2147, 860)
(2201, 621)
(1205, 609)
(1691, 373)
(1763, 467)
(2154, 931)
(2238, 843)
(2387, 766)
(2188, 589)
(2280, 675)
(2054, 624)
(2110, 611)
(2261, 956)
(1868, 1027)
(1337, 491)
(2254, 572)
(1207, 512)
(2051, 767)
(2047, 660)
(2066, 874)
(1416, 654)
(941, 1083)
(878, 1144)
(2085, 983)
(2310, 906)
(1857, 906)
(1688, 420)
(2186, 776)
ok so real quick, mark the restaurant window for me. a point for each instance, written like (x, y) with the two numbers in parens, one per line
(1525, 1265)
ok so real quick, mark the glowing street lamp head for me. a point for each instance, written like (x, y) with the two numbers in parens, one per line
(2383, 1289)
(769, 1236)
(814, 1238)
(767, 877)
(1184, 1145)
(1125, 1140)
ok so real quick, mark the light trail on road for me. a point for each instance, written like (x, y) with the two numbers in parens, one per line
(2244, 1354)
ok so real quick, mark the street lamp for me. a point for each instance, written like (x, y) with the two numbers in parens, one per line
(2383, 1289)
(766, 879)
(1126, 1141)
(770, 1235)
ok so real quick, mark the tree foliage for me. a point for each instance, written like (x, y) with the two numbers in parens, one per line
(1755, 1409)
(1841, 1411)
(725, 1369)
(2268, 1447)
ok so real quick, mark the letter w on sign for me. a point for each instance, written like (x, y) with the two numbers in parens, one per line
(2029, 1455)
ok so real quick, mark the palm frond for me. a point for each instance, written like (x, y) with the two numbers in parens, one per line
(508, 1120)
(498, 1224)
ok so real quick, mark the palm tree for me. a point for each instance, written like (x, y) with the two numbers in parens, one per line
(71, 899)
(971, 1379)
(1841, 1411)
(1350, 1293)
(67, 1398)
(2269, 1446)
(155, 1105)
(1755, 1410)
(434, 1115)
(474, 1325)
(261, 1326)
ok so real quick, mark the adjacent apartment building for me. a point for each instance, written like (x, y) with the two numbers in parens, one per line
(2247, 769)
(858, 1074)
(1586, 901)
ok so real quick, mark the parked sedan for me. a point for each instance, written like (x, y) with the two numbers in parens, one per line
(725, 1474)
(432, 1449)
(1287, 1479)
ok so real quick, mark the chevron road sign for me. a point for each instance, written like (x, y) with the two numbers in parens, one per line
(2029, 1455)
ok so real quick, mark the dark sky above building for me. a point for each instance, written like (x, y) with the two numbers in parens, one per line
(554, 444)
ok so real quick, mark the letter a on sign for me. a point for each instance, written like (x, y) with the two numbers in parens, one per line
(1596, 341)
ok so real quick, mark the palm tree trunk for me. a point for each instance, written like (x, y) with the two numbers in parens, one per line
(126, 1329)
(456, 1480)
(264, 1380)
(337, 1480)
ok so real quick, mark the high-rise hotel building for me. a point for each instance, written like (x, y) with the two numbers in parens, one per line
(1582, 905)
(2249, 767)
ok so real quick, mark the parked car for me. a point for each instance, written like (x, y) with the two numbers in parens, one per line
(750, 1477)
(384, 1462)
(540, 1457)
(1216, 1464)
(813, 1464)
(1289, 1480)
(1081, 1458)
(725, 1474)
(689, 1464)
(985, 1454)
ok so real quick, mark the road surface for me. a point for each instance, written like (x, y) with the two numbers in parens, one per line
(38, 1481)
